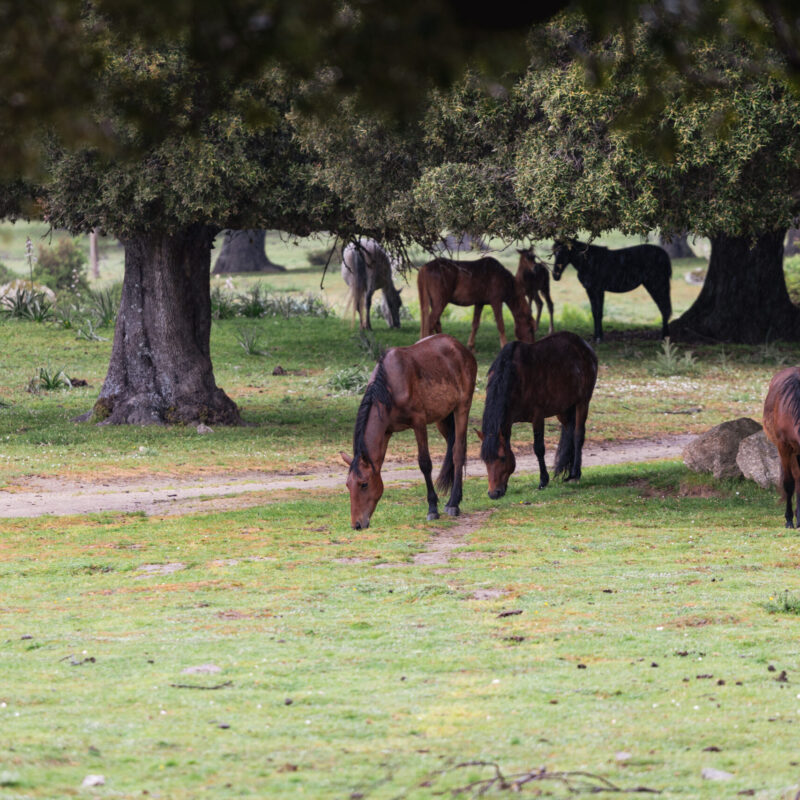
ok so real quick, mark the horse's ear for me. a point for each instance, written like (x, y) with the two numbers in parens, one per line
(346, 458)
(480, 433)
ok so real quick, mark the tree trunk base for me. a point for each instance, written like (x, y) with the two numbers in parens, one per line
(243, 251)
(160, 370)
(744, 298)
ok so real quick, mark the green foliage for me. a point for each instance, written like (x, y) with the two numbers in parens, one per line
(27, 304)
(671, 361)
(350, 380)
(104, 305)
(791, 271)
(6, 274)
(783, 603)
(49, 380)
(249, 340)
(62, 268)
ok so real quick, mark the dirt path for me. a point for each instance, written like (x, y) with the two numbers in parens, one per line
(167, 496)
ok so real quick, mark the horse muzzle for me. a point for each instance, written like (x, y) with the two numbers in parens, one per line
(496, 494)
(360, 524)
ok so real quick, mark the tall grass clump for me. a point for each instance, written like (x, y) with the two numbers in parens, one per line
(672, 361)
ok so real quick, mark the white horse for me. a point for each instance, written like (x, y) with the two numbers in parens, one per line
(366, 267)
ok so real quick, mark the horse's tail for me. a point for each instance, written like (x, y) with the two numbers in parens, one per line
(424, 303)
(565, 454)
(447, 474)
(360, 275)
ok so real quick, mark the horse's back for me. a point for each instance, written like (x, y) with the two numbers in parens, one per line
(466, 282)
(782, 409)
(432, 376)
(557, 371)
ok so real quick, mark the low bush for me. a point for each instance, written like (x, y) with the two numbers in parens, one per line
(62, 268)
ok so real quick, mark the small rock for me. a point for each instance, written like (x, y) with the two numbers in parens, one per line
(711, 774)
(201, 669)
(203, 428)
(288, 701)
(758, 460)
(622, 756)
(93, 780)
(715, 451)
(279, 370)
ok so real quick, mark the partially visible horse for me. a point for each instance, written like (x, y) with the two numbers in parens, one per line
(601, 270)
(411, 387)
(472, 283)
(554, 377)
(782, 427)
(535, 279)
(366, 267)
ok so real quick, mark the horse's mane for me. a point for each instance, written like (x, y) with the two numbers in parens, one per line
(377, 392)
(790, 397)
(496, 409)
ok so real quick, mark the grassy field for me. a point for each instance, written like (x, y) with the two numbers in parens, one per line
(638, 628)
(632, 628)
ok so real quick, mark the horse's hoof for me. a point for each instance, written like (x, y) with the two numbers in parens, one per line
(433, 515)
(789, 524)
(452, 511)
(543, 485)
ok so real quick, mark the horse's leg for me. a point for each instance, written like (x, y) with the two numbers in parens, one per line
(596, 298)
(659, 291)
(368, 301)
(579, 436)
(797, 490)
(538, 449)
(435, 317)
(476, 320)
(426, 467)
(497, 309)
(458, 455)
(539, 307)
(787, 482)
(548, 300)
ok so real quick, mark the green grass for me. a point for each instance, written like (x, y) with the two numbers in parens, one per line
(642, 630)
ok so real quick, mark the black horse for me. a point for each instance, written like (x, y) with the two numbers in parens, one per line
(601, 270)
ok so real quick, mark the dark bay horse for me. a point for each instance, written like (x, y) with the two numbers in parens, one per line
(601, 270)
(366, 267)
(554, 377)
(535, 279)
(472, 283)
(782, 427)
(411, 387)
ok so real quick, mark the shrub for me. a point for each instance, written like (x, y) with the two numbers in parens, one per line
(62, 268)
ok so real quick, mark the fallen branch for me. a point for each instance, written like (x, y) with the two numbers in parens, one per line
(206, 688)
(575, 781)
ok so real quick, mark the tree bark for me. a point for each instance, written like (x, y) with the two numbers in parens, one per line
(243, 251)
(160, 369)
(677, 246)
(744, 297)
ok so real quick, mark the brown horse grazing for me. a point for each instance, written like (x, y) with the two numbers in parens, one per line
(527, 383)
(467, 283)
(411, 387)
(535, 279)
(782, 426)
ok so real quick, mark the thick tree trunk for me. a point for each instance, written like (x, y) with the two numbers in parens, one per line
(677, 246)
(243, 251)
(160, 369)
(744, 297)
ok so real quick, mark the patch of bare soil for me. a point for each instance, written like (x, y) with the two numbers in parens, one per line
(154, 495)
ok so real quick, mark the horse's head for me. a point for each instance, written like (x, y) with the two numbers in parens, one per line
(526, 258)
(524, 324)
(390, 306)
(500, 464)
(366, 487)
(562, 252)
